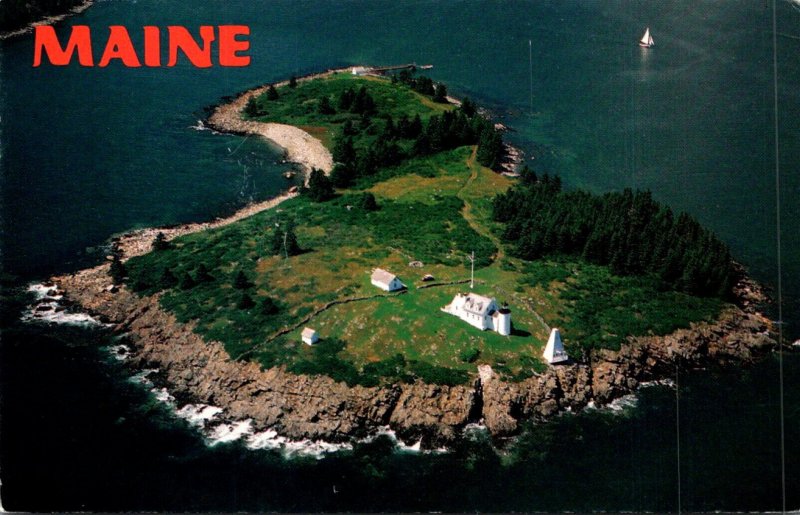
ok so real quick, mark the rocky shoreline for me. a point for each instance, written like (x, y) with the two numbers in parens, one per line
(318, 408)
(48, 20)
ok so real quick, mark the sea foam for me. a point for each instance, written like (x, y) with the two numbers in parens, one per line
(48, 308)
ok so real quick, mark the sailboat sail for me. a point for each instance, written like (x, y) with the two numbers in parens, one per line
(647, 39)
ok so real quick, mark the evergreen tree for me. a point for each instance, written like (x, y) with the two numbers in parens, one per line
(277, 241)
(269, 306)
(368, 202)
(245, 302)
(325, 106)
(348, 129)
(344, 151)
(292, 82)
(202, 275)
(186, 282)
(528, 176)
(346, 99)
(441, 94)
(468, 108)
(366, 164)
(490, 148)
(422, 145)
(284, 242)
(292, 247)
(167, 280)
(365, 122)
(343, 175)
(415, 128)
(319, 186)
(241, 282)
(117, 269)
(251, 108)
(362, 102)
(272, 93)
(160, 242)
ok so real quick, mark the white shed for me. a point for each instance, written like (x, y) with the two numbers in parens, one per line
(310, 336)
(386, 281)
(554, 350)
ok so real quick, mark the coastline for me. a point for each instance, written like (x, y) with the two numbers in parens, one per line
(48, 20)
(319, 408)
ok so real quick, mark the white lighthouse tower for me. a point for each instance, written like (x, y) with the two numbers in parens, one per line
(503, 321)
(554, 350)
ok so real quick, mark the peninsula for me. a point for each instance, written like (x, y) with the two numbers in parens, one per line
(328, 313)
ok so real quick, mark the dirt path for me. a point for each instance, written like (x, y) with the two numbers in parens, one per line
(467, 211)
(485, 232)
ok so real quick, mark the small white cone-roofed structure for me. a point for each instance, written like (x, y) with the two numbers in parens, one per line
(310, 336)
(554, 350)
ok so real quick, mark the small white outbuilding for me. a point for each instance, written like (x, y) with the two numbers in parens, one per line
(310, 336)
(554, 350)
(386, 281)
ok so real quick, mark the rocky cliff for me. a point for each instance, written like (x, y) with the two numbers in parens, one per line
(317, 407)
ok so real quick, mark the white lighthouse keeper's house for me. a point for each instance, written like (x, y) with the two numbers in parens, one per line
(481, 312)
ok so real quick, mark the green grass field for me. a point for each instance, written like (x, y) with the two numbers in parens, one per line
(436, 210)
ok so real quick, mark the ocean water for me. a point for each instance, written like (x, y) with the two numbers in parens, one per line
(87, 153)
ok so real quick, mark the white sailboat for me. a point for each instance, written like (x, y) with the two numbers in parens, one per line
(647, 39)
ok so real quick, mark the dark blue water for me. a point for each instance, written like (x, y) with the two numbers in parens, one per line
(87, 153)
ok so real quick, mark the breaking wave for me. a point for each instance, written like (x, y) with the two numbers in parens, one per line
(48, 307)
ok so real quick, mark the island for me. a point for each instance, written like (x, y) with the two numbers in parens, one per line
(414, 282)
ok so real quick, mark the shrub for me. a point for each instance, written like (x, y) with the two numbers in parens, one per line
(470, 355)
(167, 280)
(245, 302)
(368, 202)
(187, 283)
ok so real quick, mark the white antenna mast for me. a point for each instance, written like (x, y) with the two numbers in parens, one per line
(471, 258)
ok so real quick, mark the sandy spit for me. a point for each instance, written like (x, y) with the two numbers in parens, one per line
(300, 147)
(139, 242)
